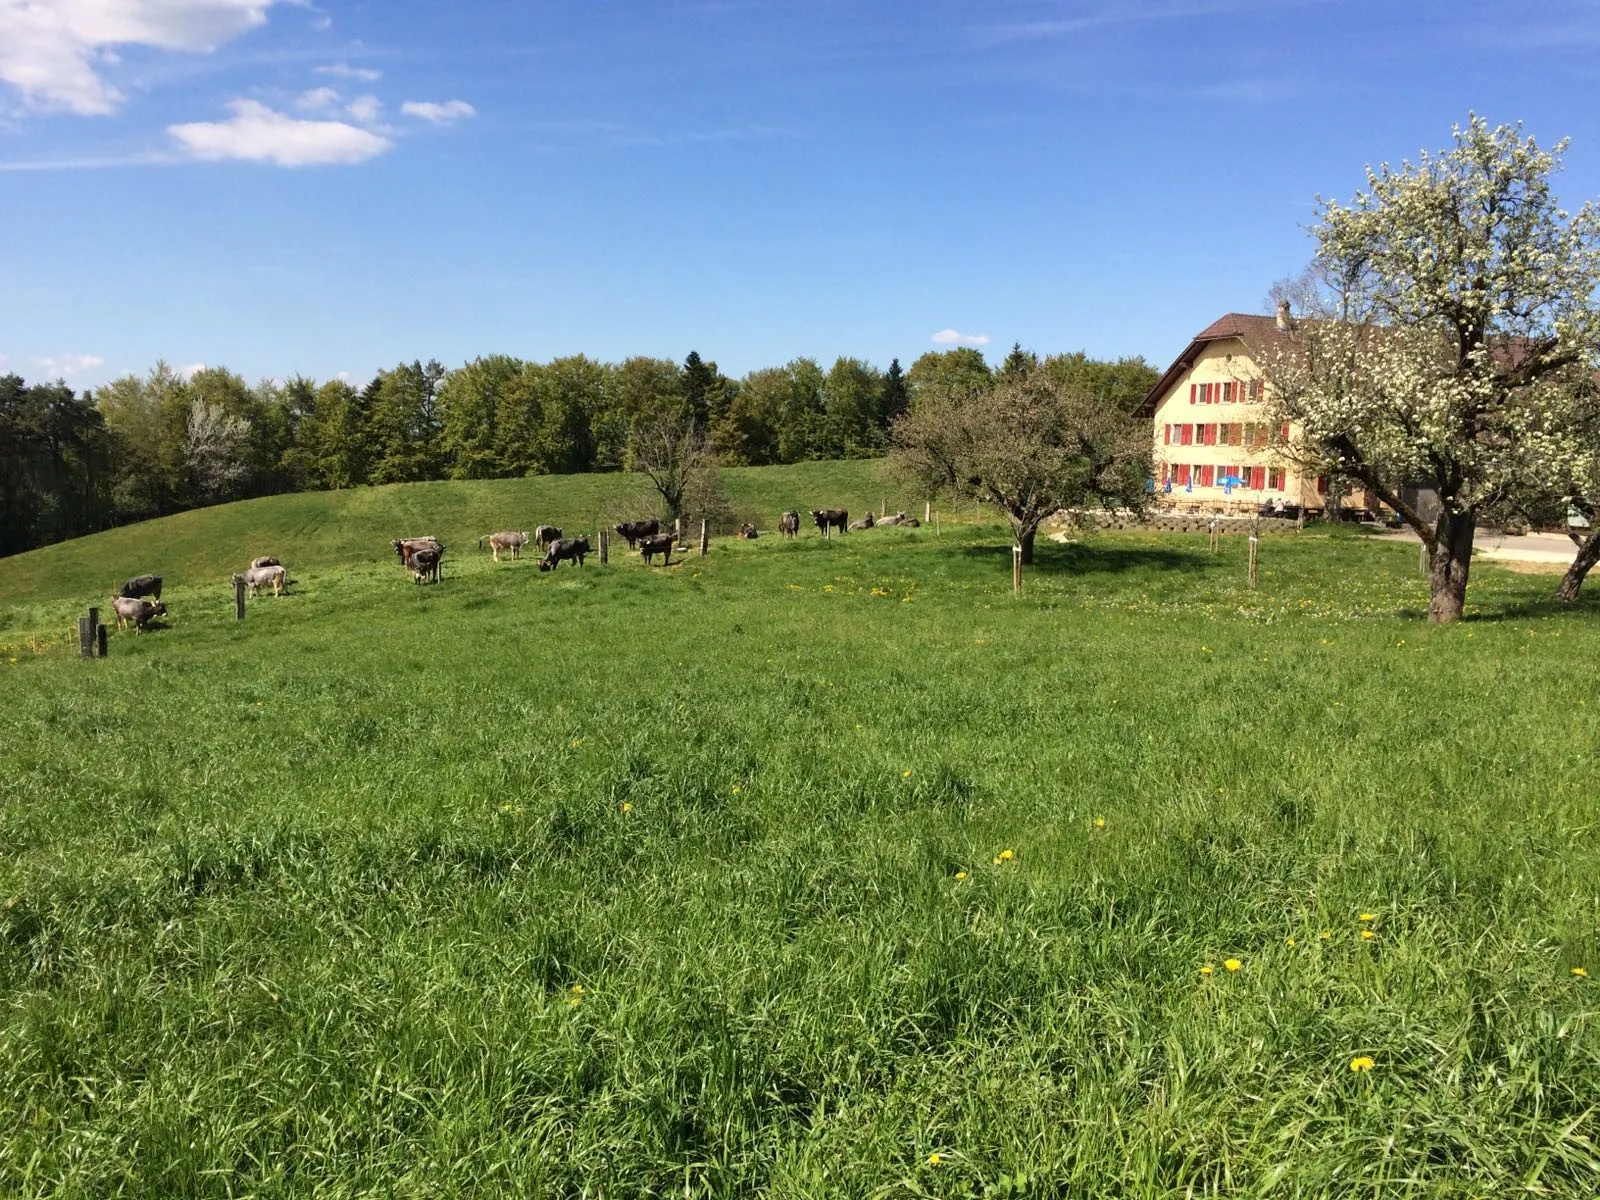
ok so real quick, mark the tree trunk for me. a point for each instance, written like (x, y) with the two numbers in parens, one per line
(1572, 582)
(1025, 540)
(1449, 562)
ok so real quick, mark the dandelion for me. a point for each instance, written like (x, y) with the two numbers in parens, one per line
(574, 1002)
(1326, 935)
(577, 989)
(1208, 969)
(736, 789)
(906, 774)
(1361, 1062)
(1580, 972)
(1289, 943)
(627, 807)
(933, 1160)
(1367, 935)
(1233, 964)
(1099, 822)
(961, 875)
(1007, 855)
(1367, 917)
(576, 742)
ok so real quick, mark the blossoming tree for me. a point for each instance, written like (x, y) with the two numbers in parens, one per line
(1455, 329)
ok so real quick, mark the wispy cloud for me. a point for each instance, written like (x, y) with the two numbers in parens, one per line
(1104, 14)
(346, 71)
(149, 158)
(65, 366)
(53, 51)
(949, 337)
(256, 133)
(317, 99)
(446, 113)
(189, 371)
(365, 109)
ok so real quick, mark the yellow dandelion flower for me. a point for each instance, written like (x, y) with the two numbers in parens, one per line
(1580, 972)
(1326, 935)
(577, 989)
(574, 1002)
(1367, 917)
(736, 789)
(1362, 1062)
(906, 774)
(1007, 855)
(1208, 969)
(626, 807)
(1099, 822)
(1289, 943)
(576, 742)
(1367, 935)
(1233, 964)
(933, 1160)
(961, 874)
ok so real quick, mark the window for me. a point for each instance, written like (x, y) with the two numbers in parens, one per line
(1210, 435)
(1181, 474)
(1255, 390)
(1234, 434)
(1322, 485)
(1283, 432)
(1275, 479)
(1228, 392)
(1206, 475)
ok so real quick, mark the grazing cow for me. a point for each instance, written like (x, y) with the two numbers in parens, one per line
(141, 585)
(266, 561)
(544, 535)
(133, 611)
(658, 543)
(424, 563)
(274, 577)
(409, 548)
(789, 524)
(829, 519)
(564, 550)
(513, 542)
(865, 522)
(634, 530)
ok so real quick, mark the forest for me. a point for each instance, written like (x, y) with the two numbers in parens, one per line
(146, 446)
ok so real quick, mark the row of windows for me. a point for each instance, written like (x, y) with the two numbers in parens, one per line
(1210, 475)
(1220, 435)
(1231, 392)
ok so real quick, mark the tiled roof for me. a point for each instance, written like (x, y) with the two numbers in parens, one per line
(1257, 332)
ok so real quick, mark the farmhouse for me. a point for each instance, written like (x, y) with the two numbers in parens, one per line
(1213, 451)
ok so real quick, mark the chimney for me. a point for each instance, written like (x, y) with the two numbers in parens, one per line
(1284, 323)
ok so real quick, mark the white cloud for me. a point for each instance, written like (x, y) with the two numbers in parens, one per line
(317, 99)
(189, 371)
(949, 337)
(365, 109)
(343, 376)
(259, 134)
(439, 114)
(346, 71)
(65, 366)
(51, 50)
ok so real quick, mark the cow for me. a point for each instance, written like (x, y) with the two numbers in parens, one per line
(747, 531)
(829, 519)
(789, 524)
(266, 561)
(657, 543)
(424, 563)
(274, 576)
(865, 522)
(902, 520)
(544, 535)
(634, 530)
(141, 585)
(131, 610)
(513, 542)
(564, 550)
(409, 548)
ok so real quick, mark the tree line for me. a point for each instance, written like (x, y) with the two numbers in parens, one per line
(149, 445)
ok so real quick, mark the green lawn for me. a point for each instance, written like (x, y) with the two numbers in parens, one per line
(633, 882)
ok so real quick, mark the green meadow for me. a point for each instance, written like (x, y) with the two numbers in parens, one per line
(805, 869)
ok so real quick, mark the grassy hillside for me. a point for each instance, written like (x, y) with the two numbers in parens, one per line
(803, 870)
(311, 530)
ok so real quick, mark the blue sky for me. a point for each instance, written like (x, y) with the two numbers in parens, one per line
(328, 187)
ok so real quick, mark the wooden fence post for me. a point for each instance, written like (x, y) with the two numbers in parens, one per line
(100, 641)
(603, 548)
(238, 598)
(1422, 558)
(1213, 535)
(927, 511)
(1254, 541)
(705, 538)
(883, 507)
(86, 637)
(935, 524)
(1016, 570)
(677, 531)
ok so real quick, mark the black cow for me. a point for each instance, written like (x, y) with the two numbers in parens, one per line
(789, 524)
(747, 531)
(829, 519)
(564, 549)
(141, 585)
(425, 562)
(544, 535)
(658, 543)
(634, 530)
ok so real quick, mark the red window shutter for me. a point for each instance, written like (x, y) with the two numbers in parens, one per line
(1166, 434)
(1285, 431)
(1192, 389)
(1206, 476)
(1261, 479)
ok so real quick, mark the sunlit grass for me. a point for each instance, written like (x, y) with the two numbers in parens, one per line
(804, 869)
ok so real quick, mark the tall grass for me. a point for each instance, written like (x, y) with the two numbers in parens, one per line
(643, 882)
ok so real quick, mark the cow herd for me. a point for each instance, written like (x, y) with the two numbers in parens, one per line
(138, 602)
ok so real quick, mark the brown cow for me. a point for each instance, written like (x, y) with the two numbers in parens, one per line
(829, 519)
(131, 610)
(789, 524)
(513, 542)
